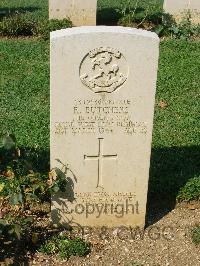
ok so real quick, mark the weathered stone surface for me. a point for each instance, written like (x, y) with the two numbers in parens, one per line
(180, 8)
(103, 84)
(81, 13)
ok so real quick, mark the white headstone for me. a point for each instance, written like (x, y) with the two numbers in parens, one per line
(103, 84)
(180, 8)
(81, 13)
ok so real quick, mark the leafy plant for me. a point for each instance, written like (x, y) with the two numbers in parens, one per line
(191, 191)
(18, 182)
(65, 247)
(184, 30)
(164, 28)
(13, 227)
(146, 15)
(54, 24)
(23, 24)
(130, 16)
(196, 235)
(21, 186)
(18, 25)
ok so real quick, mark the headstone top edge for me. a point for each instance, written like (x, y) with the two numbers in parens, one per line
(103, 29)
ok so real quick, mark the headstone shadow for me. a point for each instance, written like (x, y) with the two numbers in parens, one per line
(107, 16)
(9, 11)
(111, 16)
(71, 179)
(67, 195)
(171, 168)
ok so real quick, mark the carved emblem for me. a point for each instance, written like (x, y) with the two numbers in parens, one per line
(104, 70)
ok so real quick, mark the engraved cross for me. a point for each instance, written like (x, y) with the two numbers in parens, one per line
(100, 157)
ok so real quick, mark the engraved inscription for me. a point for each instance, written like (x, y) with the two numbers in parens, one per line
(100, 157)
(81, 14)
(105, 197)
(92, 116)
(103, 70)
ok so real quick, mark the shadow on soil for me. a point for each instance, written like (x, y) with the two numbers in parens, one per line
(170, 169)
(20, 252)
(9, 11)
(108, 16)
(112, 16)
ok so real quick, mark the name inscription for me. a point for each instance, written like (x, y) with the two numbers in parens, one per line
(92, 116)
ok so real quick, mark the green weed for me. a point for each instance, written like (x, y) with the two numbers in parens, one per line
(26, 25)
(18, 25)
(191, 190)
(21, 186)
(183, 30)
(65, 247)
(196, 235)
(52, 25)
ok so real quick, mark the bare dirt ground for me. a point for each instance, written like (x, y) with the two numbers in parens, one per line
(166, 242)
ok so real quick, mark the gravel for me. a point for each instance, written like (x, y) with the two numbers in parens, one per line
(166, 243)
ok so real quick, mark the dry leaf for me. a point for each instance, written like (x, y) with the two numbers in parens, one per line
(163, 104)
(1, 214)
(192, 206)
(9, 174)
(35, 238)
(52, 177)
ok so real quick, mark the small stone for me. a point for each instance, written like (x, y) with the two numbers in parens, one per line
(192, 206)
(116, 231)
(126, 249)
(97, 257)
